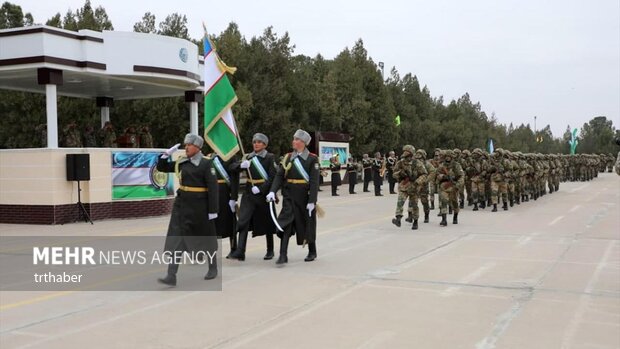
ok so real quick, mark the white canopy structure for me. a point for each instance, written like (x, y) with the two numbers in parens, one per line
(104, 66)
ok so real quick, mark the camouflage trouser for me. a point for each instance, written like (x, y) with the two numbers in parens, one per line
(449, 196)
(468, 188)
(499, 188)
(423, 195)
(525, 190)
(413, 197)
(477, 189)
(461, 192)
(510, 187)
(518, 187)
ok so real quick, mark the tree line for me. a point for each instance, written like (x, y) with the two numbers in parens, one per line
(279, 91)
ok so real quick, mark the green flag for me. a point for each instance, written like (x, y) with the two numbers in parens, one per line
(397, 120)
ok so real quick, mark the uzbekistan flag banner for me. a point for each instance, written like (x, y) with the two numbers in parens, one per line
(135, 177)
(220, 128)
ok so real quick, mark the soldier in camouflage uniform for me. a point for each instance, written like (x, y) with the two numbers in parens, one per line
(465, 164)
(146, 139)
(458, 158)
(71, 136)
(450, 176)
(525, 176)
(90, 141)
(411, 176)
(42, 130)
(107, 136)
(499, 169)
(477, 171)
(431, 171)
(435, 161)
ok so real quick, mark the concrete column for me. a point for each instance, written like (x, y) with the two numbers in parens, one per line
(50, 78)
(193, 117)
(52, 116)
(105, 103)
(193, 97)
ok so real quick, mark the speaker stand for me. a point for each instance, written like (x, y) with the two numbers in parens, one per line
(82, 213)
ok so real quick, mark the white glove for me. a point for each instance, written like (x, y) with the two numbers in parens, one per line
(212, 216)
(271, 197)
(170, 151)
(233, 205)
(310, 208)
(255, 190)
(245, 164)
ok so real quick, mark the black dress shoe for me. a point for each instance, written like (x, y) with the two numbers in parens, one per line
(211, 274)
(282, 259)
(238, 255)
(170, 280)
(310, 257)
(268, 255)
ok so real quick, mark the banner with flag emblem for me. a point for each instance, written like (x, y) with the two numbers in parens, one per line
(220, 127)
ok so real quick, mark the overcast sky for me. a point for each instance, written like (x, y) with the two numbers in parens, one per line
(558, 60)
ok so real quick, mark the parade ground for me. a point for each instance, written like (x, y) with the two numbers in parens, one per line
(545, 274)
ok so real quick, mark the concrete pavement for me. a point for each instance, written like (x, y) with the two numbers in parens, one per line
(545, 274)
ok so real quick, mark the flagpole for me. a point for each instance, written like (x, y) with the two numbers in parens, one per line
(241, 144)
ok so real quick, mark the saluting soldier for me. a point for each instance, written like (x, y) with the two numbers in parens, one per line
(391, 161)
(299, 179)
(228, 193)
(254, 211)
(367, 168)
(334, 167)
(352, 174)
(377, 164)
(195, 208)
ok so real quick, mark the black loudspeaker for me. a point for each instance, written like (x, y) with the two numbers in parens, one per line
(78, 167)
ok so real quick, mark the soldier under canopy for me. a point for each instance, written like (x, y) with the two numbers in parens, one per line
(192, 227)
(299, 179)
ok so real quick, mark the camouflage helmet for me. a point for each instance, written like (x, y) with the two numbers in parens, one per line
(448, 153)
(420, 153)
(409, 148)
(499, 151)
(466, 153)
(477, 151)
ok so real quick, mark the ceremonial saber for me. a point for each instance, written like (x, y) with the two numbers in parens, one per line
(272, 210)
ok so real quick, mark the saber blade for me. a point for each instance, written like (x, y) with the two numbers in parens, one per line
(272, 210)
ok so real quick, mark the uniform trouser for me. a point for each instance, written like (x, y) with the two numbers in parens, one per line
(424, 199)
(477, 190)
(334, 189)
(392, 185)
(450, 197)
(468, 188)
(499, 188)
(510, 186)
(351, 187)
(413, 197)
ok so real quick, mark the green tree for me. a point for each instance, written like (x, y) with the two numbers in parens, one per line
(12, 16)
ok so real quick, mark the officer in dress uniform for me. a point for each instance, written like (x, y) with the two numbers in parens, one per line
(334, 167)
(254, 210)
(228, 188)
(299, 179)
(377, 164)
(391, 161)
(367, 168)
(192, 227)
(352, 174)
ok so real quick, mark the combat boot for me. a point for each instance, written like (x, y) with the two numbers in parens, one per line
(512, 202)
(443, 222)
(483, 204)
(462, 204)
(170, 280)
(449, 209)
(505, 207)
(396, 221)
(415, 225)
(433, 204)
(475, 206)
(426, 216)
(455, 218)
(494, 208)
(212, 273)
(470, 201)
(409, 218)
(311, 252)
(518, 201)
